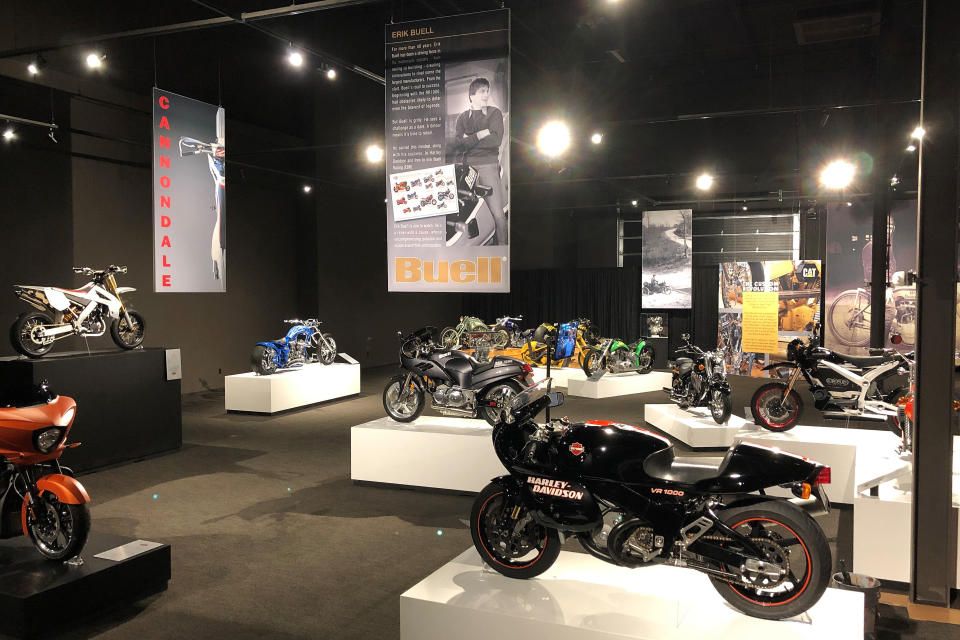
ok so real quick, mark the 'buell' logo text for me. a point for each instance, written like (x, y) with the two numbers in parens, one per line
(667, 492)
(482, 270)
(555, 488)
(576, 448)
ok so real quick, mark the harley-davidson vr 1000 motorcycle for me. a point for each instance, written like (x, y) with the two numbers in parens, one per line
(701, 381)
(458, 384)
(626, 497)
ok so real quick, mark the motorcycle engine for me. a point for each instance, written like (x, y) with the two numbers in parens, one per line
(298, 353)
(633, 543)
(623, 363)
(821, 398)
(452, 397)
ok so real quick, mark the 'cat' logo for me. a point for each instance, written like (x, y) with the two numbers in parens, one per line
(576, 448)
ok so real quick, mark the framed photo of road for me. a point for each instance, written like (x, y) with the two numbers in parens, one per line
(667, 260)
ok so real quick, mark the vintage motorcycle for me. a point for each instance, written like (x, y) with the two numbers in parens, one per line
(471, 330)
(76, 312)
(616, 356)
(701, 381)
(512, 327)
(843, 386)
(850, 313)
(572, 339)
(303, 343)
(40, 498)
(629, 500)
(655, 286)
(458, 384)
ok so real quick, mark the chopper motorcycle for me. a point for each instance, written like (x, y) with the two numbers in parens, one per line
(303, 343)
(571, 339)
(458, 385)
(471, 330)
(616, 356)
(512, 326)
(629, 500)
(39, 498)
(85, 312)
(701, 381)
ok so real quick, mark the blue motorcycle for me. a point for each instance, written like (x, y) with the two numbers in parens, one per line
(512, 327)
(303, 343)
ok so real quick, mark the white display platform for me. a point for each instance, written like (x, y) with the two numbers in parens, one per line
(561, 376)
(432, 451)
(298, 387)
(694, 427)
(621, 384)
(583, 598)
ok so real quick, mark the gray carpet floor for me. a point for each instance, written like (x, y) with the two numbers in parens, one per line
(270, 537)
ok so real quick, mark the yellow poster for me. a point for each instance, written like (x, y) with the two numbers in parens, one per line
(760, 321)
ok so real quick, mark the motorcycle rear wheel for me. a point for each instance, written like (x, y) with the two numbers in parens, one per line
(593, 362)
(62, 529)
(261, 360)
(500, 339)
(721, 406)
(774, 412)
(23, 330)
(128, 336)
(516, 554)
(501, 391)
(403, 405)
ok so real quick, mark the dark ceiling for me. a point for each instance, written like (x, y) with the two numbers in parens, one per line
(750, 90)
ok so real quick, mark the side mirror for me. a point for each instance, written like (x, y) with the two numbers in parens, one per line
(556, 398)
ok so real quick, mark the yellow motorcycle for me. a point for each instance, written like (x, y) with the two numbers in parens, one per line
(573, 339)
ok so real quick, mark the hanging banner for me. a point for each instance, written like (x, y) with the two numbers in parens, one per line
(667, 260)
(189, 213)
(448, 153)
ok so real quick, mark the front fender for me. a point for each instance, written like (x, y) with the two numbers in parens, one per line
(126, 289)
(67, 489)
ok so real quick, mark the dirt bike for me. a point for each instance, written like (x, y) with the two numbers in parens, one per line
(701, 381)
(616, 356)
(40, 498)
(216, 154)
(627, 498)
(470, 331)
(303, 343)
(76, 312)
(572, 340)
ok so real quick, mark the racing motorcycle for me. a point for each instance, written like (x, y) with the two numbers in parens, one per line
(701, 381)
(843, 386)
(616, 356)
(40, 498)
(458, 385)
(76, 312)
(471, 330)
(303, 343)
(626, 496)
(512, 327)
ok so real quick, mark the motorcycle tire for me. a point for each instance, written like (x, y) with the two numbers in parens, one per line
(448, 338)
(543, 543)
(645, 360)
(807, 546)
(491, 414)
(721, 406)
(857, 334)
(72, 523)
(665, 289)
(894, 396)
(20, 334)
(128, 337)
(391, 395)
(782, 418)
(261, 360)
(500, 339)
(645, 290)
(326, 355)
(593, 362)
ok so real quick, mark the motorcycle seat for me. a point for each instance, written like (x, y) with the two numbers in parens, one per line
(864, 362)
(482, 367)
(665, 465)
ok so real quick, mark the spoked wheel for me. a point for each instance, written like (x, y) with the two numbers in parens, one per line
(402, 403)
(448, 338)
(508, 538)
(500, 339)
(58, 530)
(645, 360)
(593, 362)
(773, 410)
(795, 567)
(721, 406)
(849, 318)
(262, 360)
(25, 334)
(128, 335)
(324, 353)
(500, 395)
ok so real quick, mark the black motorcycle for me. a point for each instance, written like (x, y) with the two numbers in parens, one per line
(626, 497)
(458, 384)
(701, 381)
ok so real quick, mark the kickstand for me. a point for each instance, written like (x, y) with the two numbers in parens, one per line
(75, 561)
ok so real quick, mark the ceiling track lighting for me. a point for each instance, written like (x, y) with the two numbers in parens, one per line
(9, 132)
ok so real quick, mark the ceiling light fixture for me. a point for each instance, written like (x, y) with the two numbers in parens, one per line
(633, 202)
(331, 74)
(918, 133)
(911, 147)
(704, 181)
(744, 208)
(374, 154)
(596, 138)
(837, 174)
(8, 134)
(307, 188)
(95, 60)
(295, 58)
(553, 138)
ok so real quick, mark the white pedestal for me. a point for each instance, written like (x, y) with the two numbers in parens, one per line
(583, 598)
(621, 384)
(435, 452)
(694, 427)
(299, 387)
(561, 376)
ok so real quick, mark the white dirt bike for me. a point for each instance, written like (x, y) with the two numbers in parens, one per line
(76, 312)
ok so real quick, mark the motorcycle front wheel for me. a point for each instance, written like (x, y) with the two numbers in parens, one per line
(128, 336)
(645, 359)
(721, 406)
(320, 352)
(772, 410)
(501, 393)
(593, 362)
(403, 405)
(262, 360)
(23, 334)
(500, 339)
(849, 318)
(791, 540)
(507, 537)
(58, 530)
(448, 338)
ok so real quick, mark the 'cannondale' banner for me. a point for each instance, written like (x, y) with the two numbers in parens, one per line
(189, 211)
(448, 153)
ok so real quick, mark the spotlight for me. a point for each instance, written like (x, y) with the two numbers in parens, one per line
(917, 133)
(374, 154)
(837, 175)
(33, 68)
(331, 74)
(911, 147)
(295, 58)
(894, 181)
(744, 208)
(596, 138)
(553, 139)
(849, 204)
(307, 188)
(8, 134)
(94, 60)
(704, 181)
(633, 202)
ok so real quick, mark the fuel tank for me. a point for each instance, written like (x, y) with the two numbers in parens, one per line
(608, 450)
(457, 365)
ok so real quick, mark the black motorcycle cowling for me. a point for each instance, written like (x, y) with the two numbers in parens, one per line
(750, 467)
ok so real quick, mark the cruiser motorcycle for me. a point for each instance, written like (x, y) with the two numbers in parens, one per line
(76, 312)
(701, 381)
(512, 327)
(471, 330)
(40, 498)
(616, 356)
(626, 496)
(303, 343)
(458, 385)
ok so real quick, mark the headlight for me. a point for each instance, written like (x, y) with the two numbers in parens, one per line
(46, 439)
(67, 417)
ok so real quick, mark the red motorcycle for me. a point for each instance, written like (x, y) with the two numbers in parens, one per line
(39, 497)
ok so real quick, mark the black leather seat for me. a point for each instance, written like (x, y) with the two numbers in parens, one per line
(480, 368)
(865, 362)
(665, 465)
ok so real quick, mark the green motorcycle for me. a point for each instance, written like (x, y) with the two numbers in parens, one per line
(616, 356)
(469, 332)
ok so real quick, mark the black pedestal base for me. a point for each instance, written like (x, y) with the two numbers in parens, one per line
(40, 596)
(661, 345)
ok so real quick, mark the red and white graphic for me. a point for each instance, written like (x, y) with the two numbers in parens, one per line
(576, 448)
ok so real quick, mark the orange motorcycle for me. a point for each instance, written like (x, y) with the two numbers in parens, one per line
(39, 497)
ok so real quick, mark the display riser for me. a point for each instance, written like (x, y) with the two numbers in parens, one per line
(291, 389)
(583, 598)
(435, 452)
(561, 376)
(661, 351)
(694, 427)
(126, 408)
(39, 596)
(621, 384)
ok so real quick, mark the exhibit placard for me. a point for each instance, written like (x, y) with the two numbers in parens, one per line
(667, 260)
(448, 153)
(189, 204)
(760, 326)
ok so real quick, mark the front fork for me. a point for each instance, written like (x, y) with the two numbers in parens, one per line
(793, 380)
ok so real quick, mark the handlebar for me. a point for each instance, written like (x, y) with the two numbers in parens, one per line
(111, 269)
(311, 322)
